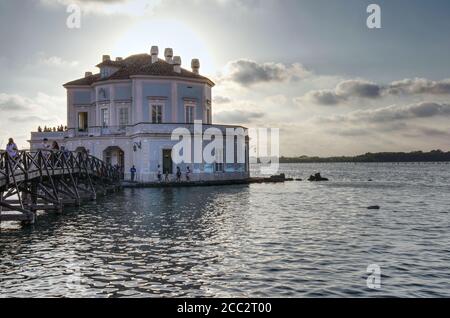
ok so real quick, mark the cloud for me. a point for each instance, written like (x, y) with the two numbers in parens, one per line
(19, 115)
(41, 104)
(358, 88)
(221, 100)
(350, 132)
(139, 8)
(343, 91)
(82, 2)
(322, 97)
(348, 89)
(419, 86)
(248, 72)
(32, 119)
(13, 103)
(406, 130)
(243, 4)
(392, 113)
(277, 100)
(433, 132)
(55, 61)
(237, 116)
(108, 7)
(101, 1)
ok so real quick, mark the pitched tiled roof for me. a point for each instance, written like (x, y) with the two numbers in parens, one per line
(139, 64)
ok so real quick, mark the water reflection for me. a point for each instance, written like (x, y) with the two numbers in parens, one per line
(292, 239)
(138, 243)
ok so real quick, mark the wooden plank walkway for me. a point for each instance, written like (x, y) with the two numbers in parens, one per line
(48, 180)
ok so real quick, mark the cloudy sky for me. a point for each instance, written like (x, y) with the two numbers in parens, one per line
(309, 67)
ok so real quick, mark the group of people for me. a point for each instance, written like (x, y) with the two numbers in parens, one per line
(178, 174)
(54, 146)
(50, 129)
(13, 150)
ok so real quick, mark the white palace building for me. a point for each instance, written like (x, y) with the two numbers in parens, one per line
(125, 115)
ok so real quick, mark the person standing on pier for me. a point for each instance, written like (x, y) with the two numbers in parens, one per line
(159, 174)
(11, 149)
(166, 177)
(133, 173)
(188, 174)
(178, 174)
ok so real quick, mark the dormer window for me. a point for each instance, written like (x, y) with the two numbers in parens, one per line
(104, 72)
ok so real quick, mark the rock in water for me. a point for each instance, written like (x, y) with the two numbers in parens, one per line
(281, 176)
(317, 177)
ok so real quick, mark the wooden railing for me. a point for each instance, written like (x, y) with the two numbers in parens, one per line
(52, 177)
(27, 164)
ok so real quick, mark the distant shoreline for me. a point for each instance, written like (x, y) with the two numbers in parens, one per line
(380, 157)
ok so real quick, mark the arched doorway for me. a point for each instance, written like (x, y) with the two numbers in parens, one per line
(115, 156)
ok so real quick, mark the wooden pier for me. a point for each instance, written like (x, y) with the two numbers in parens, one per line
(48, 180)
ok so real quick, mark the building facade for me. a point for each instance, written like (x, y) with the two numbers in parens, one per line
(127, 112)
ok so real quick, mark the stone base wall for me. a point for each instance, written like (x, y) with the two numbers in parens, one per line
(194, 177)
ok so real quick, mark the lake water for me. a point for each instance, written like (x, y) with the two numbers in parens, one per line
(297, 239)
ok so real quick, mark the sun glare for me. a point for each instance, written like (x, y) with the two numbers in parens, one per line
(166, 33)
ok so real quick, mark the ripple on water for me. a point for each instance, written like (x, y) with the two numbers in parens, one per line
(284, 240)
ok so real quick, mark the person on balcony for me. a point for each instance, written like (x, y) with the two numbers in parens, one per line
(11, 149)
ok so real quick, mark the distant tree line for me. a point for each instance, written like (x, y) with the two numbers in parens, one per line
(415, 156)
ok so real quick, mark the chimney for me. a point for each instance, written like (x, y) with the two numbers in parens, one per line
(106, 58)
(176, 64)
(195, 65)
(87, 74)
(118, 59)
(154, 53)
(168, 54)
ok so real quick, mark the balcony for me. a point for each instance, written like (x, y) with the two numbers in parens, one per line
(141, 128)
(51, 135)
(97, 131)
